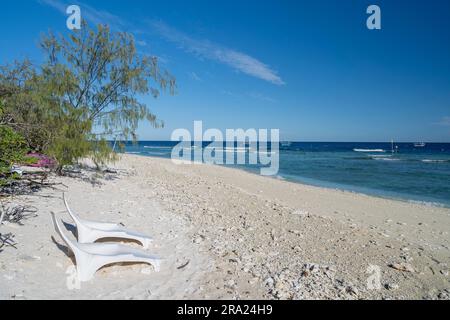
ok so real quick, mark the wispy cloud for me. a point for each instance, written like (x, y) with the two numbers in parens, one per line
(445, 121)
(58, 5)
(208, 50)
(230, 94)
(141, 43)
(260, 96)
(203, 49)
(194, 76)
(247, 95)
(88, 13)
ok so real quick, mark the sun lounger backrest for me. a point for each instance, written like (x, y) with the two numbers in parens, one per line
(73, 215)
(68, 242)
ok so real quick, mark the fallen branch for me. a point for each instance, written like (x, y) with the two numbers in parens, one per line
(7, 240)
(183, 265)
(42, 184)
(18, 213)
(27, 185)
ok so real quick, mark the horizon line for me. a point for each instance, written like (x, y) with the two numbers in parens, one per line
(297, 141)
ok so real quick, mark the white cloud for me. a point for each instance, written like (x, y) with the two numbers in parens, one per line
(194, 76)
(260, 96)
(203, 49)
(88, 13)
(55, 4)
(229, 93)
(141, 43)
(445, 121)
(206, 49)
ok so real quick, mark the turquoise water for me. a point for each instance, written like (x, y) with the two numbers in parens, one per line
(412, 173)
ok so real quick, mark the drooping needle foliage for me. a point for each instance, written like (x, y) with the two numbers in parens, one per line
(84, 94)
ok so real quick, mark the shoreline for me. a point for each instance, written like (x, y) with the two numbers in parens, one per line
(373, 194)
(242, 236)
(317, 184)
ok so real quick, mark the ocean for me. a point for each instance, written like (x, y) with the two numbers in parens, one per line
(412, 173)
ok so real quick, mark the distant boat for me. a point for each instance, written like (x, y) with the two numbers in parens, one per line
(419, 144)
(369, 150)
(286, 144)
(394, 148)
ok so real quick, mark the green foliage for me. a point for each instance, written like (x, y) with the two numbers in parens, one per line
(70, 143)
(101, 152)
(12, 150)
(28, 106)
(12, 146)
(84, 94)
(108, 75)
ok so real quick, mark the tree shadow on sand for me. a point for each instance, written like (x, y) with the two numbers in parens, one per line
(92, 174)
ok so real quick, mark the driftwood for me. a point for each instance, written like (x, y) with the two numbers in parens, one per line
(6, 239)
(18, 213)
(28, 183)
(13, 215)
(183, 265)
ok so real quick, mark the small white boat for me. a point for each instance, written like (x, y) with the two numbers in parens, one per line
(394, 148)
(369, 150)
(419, 144)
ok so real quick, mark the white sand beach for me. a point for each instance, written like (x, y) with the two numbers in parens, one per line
(228, 234)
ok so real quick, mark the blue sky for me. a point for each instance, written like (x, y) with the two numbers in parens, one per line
(310, 68)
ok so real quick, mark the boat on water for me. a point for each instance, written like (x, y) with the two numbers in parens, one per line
(394, 148)
(419, 144)
(285, 144)
(369, 150)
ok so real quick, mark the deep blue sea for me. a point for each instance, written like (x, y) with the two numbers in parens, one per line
(412, 173)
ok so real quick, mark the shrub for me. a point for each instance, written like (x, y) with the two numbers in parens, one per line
(12, 150)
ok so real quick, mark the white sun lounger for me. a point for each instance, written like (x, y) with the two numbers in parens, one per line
(91, 231)
(92, 256)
